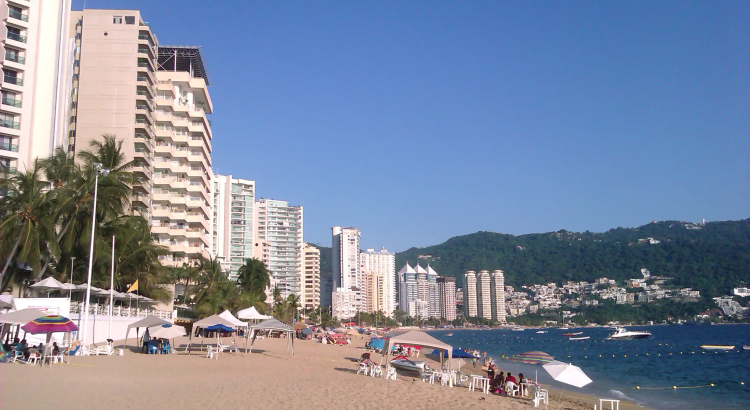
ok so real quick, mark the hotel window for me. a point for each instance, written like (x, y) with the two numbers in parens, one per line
(129, 19)
(116, 19)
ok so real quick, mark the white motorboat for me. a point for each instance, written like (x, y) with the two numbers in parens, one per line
(517, 329)
(745, 347)
(403, 363)
(579, 338)
(621, 333)
(542, 331)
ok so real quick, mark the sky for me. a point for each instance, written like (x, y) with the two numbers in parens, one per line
(420, 121)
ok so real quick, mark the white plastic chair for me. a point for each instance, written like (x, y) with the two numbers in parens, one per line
(390, 373)
(512, 389)
(211, 353)
(376, 370)
(33, 358)
(363, 369)
(17, 357)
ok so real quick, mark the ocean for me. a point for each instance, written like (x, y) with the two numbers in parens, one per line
(671, 357)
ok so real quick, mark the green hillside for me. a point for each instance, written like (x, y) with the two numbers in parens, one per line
(712, 258)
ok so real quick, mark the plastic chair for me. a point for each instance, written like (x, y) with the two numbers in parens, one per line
(390, 373)
(363, 368)
(512, 389)
(211, 353)
(33, 358)
(152, 349)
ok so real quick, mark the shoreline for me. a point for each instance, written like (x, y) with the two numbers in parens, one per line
(318, 376)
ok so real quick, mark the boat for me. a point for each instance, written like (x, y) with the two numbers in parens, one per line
(449, 334)
(572, 334)
(542, 331)
(717, 347)
(580, 338)
(745, 347)
(517, 329)
(401, 362)
(621, 333)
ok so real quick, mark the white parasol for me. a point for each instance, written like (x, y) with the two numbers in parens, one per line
(567, 373)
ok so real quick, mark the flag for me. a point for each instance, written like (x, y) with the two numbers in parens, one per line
(133, 287)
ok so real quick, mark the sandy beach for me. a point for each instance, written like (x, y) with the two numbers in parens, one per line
(317, 377)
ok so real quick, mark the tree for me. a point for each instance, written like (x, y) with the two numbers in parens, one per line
(253, 276)
(209, 278)
(26, 231)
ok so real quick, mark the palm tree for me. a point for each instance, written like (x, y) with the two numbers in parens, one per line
(208, 279)
(292, 304)
(73, 197)
(253, 276)
(26, 231)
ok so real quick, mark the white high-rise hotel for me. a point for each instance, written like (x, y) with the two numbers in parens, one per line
(484, 295)
(234, 227)
(36, 84)
(361, 281)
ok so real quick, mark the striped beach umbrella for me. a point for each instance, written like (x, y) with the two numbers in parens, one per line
(533, 358)
(50, 324)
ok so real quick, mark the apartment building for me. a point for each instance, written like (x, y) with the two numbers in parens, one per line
(182, 162)
(447, 297)
(408, 290)
(155, 100)
(346, 273)
(497, 284)
(36, 85)
(114, 90)
(311, 279)
(379, 271)
(281, 225)
(484, 295)
(470, 294)
(234, 228)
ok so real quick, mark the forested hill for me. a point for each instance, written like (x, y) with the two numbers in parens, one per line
(712, 258)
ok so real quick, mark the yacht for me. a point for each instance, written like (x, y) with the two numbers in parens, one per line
(717, 347)
(621, 333)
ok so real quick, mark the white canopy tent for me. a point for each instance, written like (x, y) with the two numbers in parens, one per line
(18, 318)
(273, 325)
(420, 339)
(230, 317)
(207, 322)
(148, 321)
(252, 313)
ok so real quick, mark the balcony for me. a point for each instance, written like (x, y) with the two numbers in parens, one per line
(10, 124)
(7, 146)
(12, 80)
(18, 15)
(14, 57)
(16, 37)
(12, 102)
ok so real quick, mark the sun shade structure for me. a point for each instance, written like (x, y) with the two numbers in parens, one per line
(567, 373)
(274, 325)
(182, 58)
(49, 324)
(208, 322)
(148, 321)
(230, 317)
(533, 358)
(252, 313)
(6, 302)
(167, 331)
(49, 284)
(21, 317)
(416, 338)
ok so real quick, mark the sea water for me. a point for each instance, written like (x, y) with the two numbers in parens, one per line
(643, 371)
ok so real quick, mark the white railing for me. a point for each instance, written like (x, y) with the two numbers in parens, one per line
(97, 309)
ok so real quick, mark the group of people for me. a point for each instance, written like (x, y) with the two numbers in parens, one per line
(500, 381)
(22, 348)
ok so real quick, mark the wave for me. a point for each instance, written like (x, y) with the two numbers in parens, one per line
(623, 396)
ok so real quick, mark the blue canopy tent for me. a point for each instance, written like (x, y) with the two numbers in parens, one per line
(214, 323)
(458, 354)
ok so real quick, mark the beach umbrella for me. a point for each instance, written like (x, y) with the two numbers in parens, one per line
(219, 328)
(6, 302)
(300, 326)
(567, 373)
(49, 284)
(352, 332)
(533, 358)
(167, 331)
(49, 324)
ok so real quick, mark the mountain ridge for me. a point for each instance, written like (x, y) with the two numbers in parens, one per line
(713, 257)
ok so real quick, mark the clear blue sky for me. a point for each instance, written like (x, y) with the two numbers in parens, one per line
(419, 121)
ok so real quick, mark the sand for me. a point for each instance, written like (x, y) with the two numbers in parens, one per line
(318, 377)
